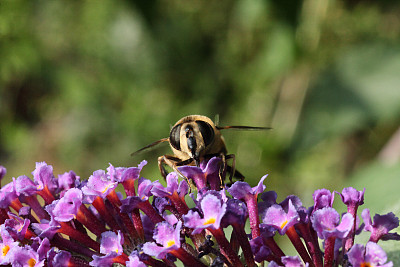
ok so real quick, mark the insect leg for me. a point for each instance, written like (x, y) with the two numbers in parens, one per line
(173, 162)
(166, 160)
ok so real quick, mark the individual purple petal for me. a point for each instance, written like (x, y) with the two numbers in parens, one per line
(269, 199)
(58, 258)
(7, 194)
(276, 217)
(24, 211)
(134, 260)
(148, 227)
(206, 174)
(144, 188)
(260, 250)
(161, 204)
(170, 218)
(325, 221)
(273, 264)
(67, 180)
(45, 229)
(99, 185)
(236, 213)
(172, 186)
(115, 174)
(67, 207)
(111, 242)
(243, 191)
(212, 172)
(292, 261)
(103, 261)
(41, 246)
(381, 226)
(196, 174)
(132, 173)
(130, 203)
(43, 176)
(25, 186)
(183, 189)
(295, 200)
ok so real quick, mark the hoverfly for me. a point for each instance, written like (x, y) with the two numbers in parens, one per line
(195, 138)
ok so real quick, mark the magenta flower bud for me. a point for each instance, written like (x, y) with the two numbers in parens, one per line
(67, 207)
(323, 198)
(43, 176)
(350, 196)
(276, 217)
(111, 242)
(213, 209)
(16, 227)
(166, 239)
(370, 255)
(8, 194)
(99, 184)
(327, 223)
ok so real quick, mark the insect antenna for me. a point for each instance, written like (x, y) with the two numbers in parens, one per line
(150, 146)
(243, 128)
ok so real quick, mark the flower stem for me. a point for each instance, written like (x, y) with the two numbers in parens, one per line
(254, 219)
(311, 243)
(298, 244)
(329, 251)
(352, 209)
(244, 243)
(77, 235)
(225, 247)
(186, 258)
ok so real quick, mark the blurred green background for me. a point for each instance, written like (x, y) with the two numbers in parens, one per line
(86, 83)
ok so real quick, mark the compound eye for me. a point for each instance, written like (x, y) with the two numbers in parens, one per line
(206, 131)
(174, 137)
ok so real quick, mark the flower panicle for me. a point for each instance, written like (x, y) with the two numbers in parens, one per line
(64, 221)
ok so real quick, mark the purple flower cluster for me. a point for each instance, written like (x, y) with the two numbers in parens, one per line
(118, 218)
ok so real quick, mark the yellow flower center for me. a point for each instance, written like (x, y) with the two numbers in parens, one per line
(283, 224)
(106, 188)
(366, 264)
(31, 262)
(209, 221)
(170, 243)
(5, 250)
